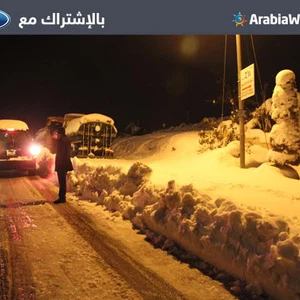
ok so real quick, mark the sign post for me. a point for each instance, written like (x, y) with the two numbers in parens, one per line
(240, 102)
(246, 90)
(247, 82)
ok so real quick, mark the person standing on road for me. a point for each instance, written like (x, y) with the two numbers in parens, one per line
(63, 162)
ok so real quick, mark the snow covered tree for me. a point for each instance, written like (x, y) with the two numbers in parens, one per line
(285, 134)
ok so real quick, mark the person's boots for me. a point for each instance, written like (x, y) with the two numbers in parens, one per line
(60, 200)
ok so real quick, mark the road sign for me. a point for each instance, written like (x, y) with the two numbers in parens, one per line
(247, 82)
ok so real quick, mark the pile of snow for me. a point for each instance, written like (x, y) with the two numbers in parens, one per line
(45, 162)
(243, 221)
(249, 244)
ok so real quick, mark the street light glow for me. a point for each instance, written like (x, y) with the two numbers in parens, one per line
(189, 45)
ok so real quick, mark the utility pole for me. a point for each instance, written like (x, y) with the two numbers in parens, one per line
(241, 103)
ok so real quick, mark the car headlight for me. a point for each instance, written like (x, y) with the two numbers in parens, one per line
(35, 150)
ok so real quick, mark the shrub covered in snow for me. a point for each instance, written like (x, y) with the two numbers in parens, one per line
(261, 117)
(285, 134)
(226, 132)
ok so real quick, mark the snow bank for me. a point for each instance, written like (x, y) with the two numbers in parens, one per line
(239, 240)
(249, 242)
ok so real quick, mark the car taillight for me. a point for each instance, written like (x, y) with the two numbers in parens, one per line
(35, 150)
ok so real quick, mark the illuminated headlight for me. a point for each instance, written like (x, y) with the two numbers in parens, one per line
(35, 150)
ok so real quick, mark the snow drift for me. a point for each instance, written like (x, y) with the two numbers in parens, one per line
(248, 242)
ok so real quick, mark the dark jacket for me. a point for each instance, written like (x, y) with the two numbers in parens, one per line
(63, 155)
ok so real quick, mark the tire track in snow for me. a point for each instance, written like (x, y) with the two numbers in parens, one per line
(16, 280)
(4, 258)
(148, 284)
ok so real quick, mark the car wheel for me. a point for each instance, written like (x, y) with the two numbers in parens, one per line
(31, 172)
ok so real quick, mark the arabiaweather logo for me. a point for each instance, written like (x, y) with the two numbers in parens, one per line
(271, 19)
(239, 19)
(4, 19)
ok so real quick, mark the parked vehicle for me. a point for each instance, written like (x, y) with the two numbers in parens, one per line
(44, 135)
(91, 135)
(18, 150)
(70, 116)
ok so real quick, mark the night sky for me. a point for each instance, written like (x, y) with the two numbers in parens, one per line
(147, 78)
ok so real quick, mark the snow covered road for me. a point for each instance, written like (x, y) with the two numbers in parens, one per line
(68, 252)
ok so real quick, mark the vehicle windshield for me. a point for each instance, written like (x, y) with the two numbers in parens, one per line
(15, 139)
(54, 126)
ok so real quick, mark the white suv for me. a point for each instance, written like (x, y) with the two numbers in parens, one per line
(17, 148)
